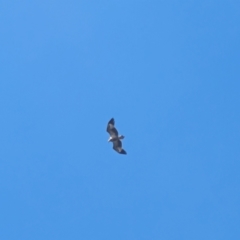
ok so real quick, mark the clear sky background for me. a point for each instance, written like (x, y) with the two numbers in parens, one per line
(168, 72)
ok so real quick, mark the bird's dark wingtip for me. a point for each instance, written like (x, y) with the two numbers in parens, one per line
(123, 152)
(111, 121)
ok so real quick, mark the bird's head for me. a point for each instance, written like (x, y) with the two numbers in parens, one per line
(121, 137)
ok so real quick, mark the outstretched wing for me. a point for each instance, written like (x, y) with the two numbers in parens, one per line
(111, 129)
(117, 146)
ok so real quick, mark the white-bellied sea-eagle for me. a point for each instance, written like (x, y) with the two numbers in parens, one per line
(114, 137)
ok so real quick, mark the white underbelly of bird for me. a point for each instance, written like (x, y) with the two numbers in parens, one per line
(112, 139)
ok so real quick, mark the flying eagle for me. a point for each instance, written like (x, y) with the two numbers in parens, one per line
(114, 137)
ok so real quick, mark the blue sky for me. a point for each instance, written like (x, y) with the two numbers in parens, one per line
(168, 72)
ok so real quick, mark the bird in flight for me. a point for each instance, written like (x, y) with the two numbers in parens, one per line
(114, 137)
